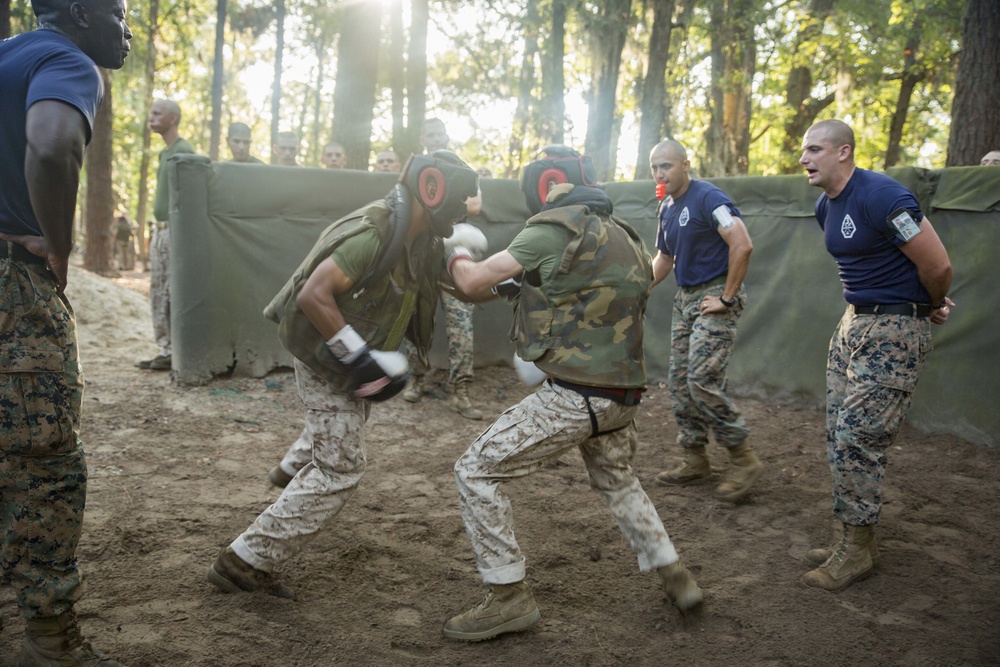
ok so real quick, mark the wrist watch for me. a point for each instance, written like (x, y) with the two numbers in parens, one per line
(728, 304)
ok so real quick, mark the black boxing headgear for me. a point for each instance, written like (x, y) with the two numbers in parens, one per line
(556, 164)
(441, 183)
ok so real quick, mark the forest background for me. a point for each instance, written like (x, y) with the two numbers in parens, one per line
(736, 81)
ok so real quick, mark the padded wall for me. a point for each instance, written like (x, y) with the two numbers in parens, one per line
(238, 232)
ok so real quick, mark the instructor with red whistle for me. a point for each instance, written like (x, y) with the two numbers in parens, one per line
(702, 239)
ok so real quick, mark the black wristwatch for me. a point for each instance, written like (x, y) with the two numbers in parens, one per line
(728, 304)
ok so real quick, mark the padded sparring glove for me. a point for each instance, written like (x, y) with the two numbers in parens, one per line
(372, 374)
(466, 241)
(528, 373)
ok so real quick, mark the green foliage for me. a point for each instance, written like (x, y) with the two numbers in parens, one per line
(474, 61)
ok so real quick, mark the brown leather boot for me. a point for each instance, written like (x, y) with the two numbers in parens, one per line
(850, 561)
(56, 641)
(506, 608)
(461, 403)
(681, 588)
(696, 469)
(744, 469)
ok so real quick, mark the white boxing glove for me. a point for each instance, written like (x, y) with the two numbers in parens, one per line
(465, 241)
(528, 373)
(372, 374)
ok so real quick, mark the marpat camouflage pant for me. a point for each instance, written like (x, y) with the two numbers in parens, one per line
(700, 348)
(536, 432)
(159, 286)
(458, 325)
(871, 373)
(43, 473)
(335, 431)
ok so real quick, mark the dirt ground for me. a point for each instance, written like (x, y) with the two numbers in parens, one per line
(177, 472)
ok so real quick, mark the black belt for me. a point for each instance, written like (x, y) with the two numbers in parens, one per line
(628, 397)
(18, 253)
(912, 309)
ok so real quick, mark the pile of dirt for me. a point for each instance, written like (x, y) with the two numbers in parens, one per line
(177, 472)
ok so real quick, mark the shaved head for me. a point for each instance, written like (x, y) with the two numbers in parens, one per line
(671, 147)
(837, 132)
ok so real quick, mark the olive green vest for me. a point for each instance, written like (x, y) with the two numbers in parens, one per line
(585, 324)
(401, 302)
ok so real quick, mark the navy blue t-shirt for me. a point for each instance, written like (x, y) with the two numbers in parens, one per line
(35, 66)
(859, 234)
(690, 234)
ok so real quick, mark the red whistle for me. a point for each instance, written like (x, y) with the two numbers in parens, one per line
(661, 190)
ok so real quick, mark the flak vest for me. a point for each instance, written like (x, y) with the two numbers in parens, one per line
(399, 303)
(585, 323)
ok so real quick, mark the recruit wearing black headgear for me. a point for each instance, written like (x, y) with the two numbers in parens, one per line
(441, 183)
(556, 164)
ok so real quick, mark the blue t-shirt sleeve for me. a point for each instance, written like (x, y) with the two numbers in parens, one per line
(71, 78)
(887, 200)
(714, 198)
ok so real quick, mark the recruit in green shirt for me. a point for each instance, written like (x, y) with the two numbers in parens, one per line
(161, 203)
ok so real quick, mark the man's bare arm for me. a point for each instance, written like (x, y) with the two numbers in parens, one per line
(56, 134)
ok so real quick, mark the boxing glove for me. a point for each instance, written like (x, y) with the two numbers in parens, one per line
(465, 241)
(372, 374)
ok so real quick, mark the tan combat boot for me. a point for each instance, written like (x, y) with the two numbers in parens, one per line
(414, 390)
(681, 588)
(57, 642)
(820, 556)
(279, 477)
(696, 469)
(744, 469)
(850, 561)
(506, 608)
(461, 404)
(231, 574)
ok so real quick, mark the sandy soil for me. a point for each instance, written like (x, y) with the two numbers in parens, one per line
(177, 472)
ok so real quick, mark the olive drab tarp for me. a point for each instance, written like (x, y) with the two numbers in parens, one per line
(239, 231)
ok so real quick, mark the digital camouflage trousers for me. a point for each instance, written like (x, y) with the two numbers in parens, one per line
(700, 349)
(871, 372)
(533, 434)
(43, 473)
(333, 441)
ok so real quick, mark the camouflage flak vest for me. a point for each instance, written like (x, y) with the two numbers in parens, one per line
(585, 324)
(376, 313)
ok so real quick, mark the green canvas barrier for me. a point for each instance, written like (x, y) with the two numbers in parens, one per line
(239, 231)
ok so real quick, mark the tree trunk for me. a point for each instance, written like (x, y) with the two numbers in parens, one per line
(913, 74)
(526, 82)
(147, 135)
(357, 69)
(4, 19)
(279, 49)
(553, 103)
(416, 75)
(397, 82)
(653, 103)
(317, 125)
(975, 114)
(608, 31)
(798, 89)
(735, 49)
(218, 76)
(99, 199)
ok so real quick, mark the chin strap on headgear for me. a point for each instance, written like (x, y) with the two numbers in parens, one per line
(554, 165)
(440, 182)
